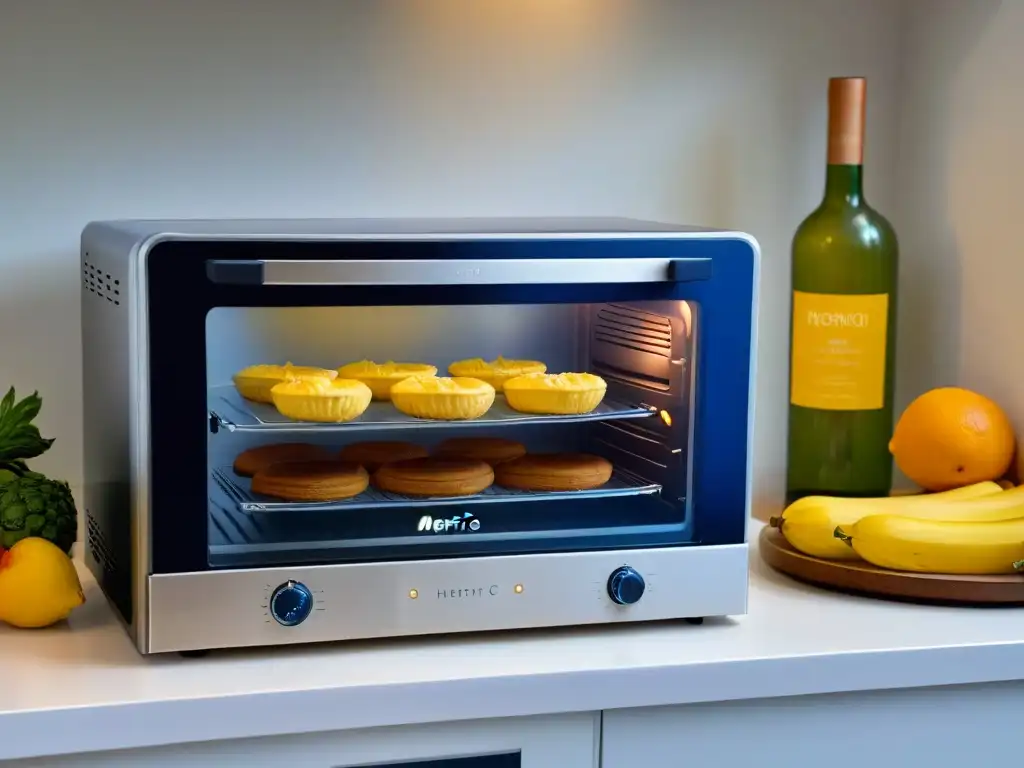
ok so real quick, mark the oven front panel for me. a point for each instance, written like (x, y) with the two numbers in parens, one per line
(358, 601)
(202, 329)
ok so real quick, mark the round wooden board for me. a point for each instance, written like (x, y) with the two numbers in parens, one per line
(862, 578)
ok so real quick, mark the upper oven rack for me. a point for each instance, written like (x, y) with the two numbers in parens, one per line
(228, 410)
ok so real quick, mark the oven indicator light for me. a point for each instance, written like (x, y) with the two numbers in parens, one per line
(518, 589)
(413, 594)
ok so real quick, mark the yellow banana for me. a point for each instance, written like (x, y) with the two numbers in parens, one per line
(809, 523)
(972, 491)
(937, 546)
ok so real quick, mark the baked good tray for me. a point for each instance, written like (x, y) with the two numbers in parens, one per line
(238, 490)
(228, 410)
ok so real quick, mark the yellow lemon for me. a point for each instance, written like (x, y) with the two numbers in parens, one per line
(39, 585)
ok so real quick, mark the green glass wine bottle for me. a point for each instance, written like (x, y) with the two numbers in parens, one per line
(842, 324)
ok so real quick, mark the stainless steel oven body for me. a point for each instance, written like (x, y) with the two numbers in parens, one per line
(192, 560)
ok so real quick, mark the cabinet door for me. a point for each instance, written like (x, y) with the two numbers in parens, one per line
(559, 741)
(976, 725)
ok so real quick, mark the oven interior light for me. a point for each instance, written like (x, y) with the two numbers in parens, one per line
(518, 589)
(666, 417)
(414, 593)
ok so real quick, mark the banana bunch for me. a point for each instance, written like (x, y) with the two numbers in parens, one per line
(809, 524)
(978, 529)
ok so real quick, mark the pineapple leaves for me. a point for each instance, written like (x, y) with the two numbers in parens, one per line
(19, 437)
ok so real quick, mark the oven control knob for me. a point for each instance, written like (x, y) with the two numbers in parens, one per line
(291, 603)
(625, 586)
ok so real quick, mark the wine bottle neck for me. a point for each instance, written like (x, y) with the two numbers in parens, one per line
(846, 97)
(844, 185)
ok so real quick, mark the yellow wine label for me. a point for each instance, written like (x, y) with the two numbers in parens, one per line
(838, 361)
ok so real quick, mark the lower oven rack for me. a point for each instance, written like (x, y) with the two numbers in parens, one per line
(238, 490)
(228, 410)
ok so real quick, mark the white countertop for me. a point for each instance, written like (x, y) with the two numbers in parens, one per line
(83, 687)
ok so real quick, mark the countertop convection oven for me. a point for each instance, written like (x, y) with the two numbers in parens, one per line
(196, 552)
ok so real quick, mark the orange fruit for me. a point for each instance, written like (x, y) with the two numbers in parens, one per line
(950, 437)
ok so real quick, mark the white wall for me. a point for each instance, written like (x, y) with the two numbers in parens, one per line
(961, 183)
(679, 110)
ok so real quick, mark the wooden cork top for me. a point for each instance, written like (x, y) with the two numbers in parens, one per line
(846, 107)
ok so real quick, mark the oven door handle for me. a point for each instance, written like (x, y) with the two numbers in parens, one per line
(457, 272)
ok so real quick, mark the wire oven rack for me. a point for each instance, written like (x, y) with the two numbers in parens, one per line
(228, 410)
(239, 492)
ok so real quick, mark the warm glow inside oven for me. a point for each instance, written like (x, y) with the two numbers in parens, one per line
(645, 351)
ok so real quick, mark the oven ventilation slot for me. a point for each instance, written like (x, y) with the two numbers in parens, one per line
(97, 544)
(632, 346)
(230, 411)
(633, 329)
(101, 284)
(238, 491)
(630, 378)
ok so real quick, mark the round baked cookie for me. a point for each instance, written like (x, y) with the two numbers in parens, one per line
(249, 462)
(493, 450)
(554, 472)
(434, 477)
(373, 454)
(311, 480)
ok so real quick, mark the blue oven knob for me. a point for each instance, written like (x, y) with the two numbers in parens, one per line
(291, 603)
(625, 586)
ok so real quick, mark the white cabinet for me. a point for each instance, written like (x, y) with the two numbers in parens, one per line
(936, 727)
(558, 741)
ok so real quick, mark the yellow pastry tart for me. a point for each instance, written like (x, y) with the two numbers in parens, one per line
(321, 399)
(256, 381)
(380, 377)
(495, 372)
(433, 397)
(555, 393)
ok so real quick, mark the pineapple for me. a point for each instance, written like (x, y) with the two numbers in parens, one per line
(30, 503)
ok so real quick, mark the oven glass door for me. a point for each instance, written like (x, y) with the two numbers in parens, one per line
(633, 320)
